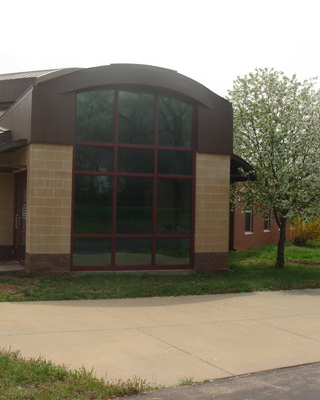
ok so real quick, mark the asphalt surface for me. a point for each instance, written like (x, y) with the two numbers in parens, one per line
(292, 383)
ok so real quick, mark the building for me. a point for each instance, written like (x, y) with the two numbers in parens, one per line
(114, 168)
(252, 230)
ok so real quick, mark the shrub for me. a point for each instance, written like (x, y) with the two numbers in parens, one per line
(302, 232)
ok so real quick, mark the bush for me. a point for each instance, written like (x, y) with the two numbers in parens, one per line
(302, 232)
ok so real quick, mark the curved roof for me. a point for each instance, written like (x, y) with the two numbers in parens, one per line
(136, 74)
(52, 101)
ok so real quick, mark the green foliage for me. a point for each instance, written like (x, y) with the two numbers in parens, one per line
(187, 381)
(277, 130)
(37, 379)
(302, 232)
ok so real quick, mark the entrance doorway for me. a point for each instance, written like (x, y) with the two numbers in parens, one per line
(20, 213)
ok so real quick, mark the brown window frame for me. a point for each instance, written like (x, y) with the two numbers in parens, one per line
(155, 176)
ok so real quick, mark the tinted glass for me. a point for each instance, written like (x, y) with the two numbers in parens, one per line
(135, 160)
(174, 162)
(91, 251)
(174, 206)
(175, 123)
(94, 158)
(136, 118)
(92, 204)
(133, 251)
(95, 116)
(134, 205)
(266, 223)
(248, 222)
(173, 251)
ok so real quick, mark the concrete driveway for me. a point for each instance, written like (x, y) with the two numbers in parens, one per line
(165, 340)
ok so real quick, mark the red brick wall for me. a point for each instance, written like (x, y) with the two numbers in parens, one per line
(258, 237)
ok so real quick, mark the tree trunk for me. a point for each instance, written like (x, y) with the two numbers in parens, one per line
(282, 239)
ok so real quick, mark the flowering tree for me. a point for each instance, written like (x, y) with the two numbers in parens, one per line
(277, 130)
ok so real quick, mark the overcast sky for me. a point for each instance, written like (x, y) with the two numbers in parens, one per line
(210, 41)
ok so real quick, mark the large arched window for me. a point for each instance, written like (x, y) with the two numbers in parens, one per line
(133, 181)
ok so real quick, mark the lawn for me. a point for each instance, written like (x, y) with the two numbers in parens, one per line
(37, 379)
(251, 270)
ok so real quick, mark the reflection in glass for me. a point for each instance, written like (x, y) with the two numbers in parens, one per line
(135, 160)
(134, 205)
(173, 251)
(95, 116)
(91, 251)
(174, 162)
(175, 123)
(92, 204)
(133, 251)
(94, 158)
(136, 118)
(174, 206)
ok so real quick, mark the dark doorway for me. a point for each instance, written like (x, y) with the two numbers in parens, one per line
(20, 213)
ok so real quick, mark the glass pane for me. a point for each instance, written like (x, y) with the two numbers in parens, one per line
(93, 204)
(134, 205)
(174, 162)
(91, 252)
(175, 123)
(94, 158)
(133, 251)
(173, 206)
(135, 160)
(136, 118)
(173, 251)
(248, 221)
(95, 116)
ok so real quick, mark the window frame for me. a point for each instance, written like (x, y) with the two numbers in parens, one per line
(154, 175)
(248, 222)
(266, 223)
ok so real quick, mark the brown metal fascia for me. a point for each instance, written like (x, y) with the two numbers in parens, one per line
(54, 98)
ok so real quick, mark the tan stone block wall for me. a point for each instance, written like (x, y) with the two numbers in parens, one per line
(212, 203)
(49, 191)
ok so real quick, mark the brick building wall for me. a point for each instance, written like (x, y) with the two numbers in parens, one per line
(258, 236)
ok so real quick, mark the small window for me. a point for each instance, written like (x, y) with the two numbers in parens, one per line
(266, 223)
(248, 227)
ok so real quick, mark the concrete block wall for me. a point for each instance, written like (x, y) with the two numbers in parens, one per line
(212, 212)
(49, 205)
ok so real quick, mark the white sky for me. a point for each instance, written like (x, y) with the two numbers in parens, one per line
(210, 41)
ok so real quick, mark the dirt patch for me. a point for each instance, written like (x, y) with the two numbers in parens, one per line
(304, 262)
(9, 289)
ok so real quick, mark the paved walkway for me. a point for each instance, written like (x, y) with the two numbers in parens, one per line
(165, 340)
(10, 266)
(293, 383)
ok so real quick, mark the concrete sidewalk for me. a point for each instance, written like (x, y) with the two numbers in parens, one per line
(164, 340)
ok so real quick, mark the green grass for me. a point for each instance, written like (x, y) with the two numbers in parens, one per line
(37, 379)
(253, 270)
